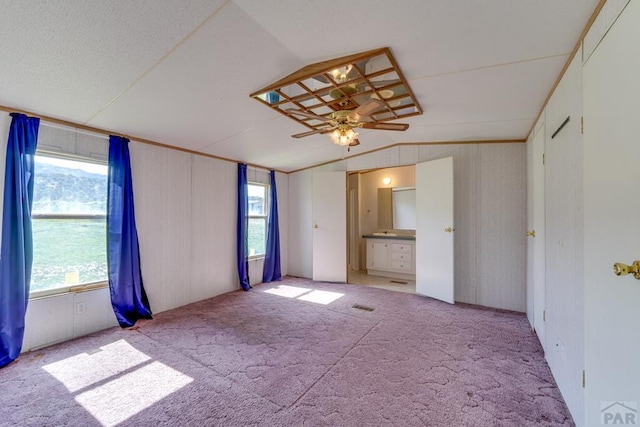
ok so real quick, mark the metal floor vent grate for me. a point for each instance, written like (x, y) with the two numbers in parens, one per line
(399, 281)
(362, 307)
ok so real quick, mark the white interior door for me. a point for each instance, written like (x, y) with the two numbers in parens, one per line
(535, 244)
(612, 222)
(329, 227)
(353, 231)
(435, 229)
(530, 308)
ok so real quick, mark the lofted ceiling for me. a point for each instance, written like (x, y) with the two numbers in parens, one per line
(181, 72)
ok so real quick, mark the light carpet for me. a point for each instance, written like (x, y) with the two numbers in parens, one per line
(298, 353)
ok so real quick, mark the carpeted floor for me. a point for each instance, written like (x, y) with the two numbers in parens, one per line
(294, 353)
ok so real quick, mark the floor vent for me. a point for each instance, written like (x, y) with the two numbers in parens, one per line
(399, 281)
(362, 307)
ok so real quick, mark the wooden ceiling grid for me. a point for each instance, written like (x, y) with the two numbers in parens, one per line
(343, 84)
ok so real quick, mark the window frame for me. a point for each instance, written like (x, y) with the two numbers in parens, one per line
(265, 216)
(80, 287)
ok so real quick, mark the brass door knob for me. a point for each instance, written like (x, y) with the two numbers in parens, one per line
(449, 230)
(531, 233)
(620, 269)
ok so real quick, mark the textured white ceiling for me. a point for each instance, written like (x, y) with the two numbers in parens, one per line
(181, 72)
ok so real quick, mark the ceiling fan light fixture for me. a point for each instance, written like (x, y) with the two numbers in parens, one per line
(340, 74)
(343, 136)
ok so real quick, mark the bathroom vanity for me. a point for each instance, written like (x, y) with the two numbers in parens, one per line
(391, 255)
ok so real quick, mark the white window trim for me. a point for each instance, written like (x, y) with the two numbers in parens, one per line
(81, 287)
(85, 287)
(265, 216)
(96, 160)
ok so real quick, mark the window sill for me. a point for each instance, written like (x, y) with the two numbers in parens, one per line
(256, 257)
(68, 289)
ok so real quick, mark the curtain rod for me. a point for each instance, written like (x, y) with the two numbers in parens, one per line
(130, 137)
(259, 167)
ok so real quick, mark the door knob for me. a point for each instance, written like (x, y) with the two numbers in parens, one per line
(620, 269)
(449, 230)
(531, 233)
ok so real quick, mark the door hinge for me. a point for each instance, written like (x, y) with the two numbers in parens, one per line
(581, 124)
(584, 380)
(543, 159)
(544, 315)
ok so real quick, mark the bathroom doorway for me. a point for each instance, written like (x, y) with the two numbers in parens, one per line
(365, 217)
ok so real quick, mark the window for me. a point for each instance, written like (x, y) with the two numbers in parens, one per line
(69, 224)
(257, 219)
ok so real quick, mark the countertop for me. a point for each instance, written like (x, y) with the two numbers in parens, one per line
(390, 236)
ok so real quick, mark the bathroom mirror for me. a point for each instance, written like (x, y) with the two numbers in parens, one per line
(385, 209)
(397, 208)
(403, 201)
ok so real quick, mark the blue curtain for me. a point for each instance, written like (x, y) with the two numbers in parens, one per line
(271, 271)
(243, 227)
(16, 253)
(128, 298)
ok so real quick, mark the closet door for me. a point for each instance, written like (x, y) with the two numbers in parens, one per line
(536, 233)
(435, 229)
(612, 223)
(329, 227)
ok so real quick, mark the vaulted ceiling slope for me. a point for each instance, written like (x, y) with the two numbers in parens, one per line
(180, 72)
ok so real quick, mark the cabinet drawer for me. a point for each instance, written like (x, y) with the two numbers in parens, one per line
(401, 265)
(401, 256)
(400, 247)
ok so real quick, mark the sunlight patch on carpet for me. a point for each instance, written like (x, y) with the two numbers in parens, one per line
(321, 297)
(305, 294)
(129, 394)
(287, 291)
(116, 381)
(85, 369)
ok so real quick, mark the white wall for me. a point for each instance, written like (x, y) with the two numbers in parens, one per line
(5, 122)
(490, 216)
(186, 217)
(163, 200)
(56, 318)
(502, 226)
(186, 208)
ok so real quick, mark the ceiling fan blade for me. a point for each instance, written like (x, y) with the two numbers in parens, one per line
(313, 132)
(365, 109)
(306, 114)
(386, 126)
(303, 134)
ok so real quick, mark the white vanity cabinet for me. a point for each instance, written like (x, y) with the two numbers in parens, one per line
(402, 257)
(390, 257)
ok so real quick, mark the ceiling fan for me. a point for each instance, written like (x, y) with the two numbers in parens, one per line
(341, 123)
